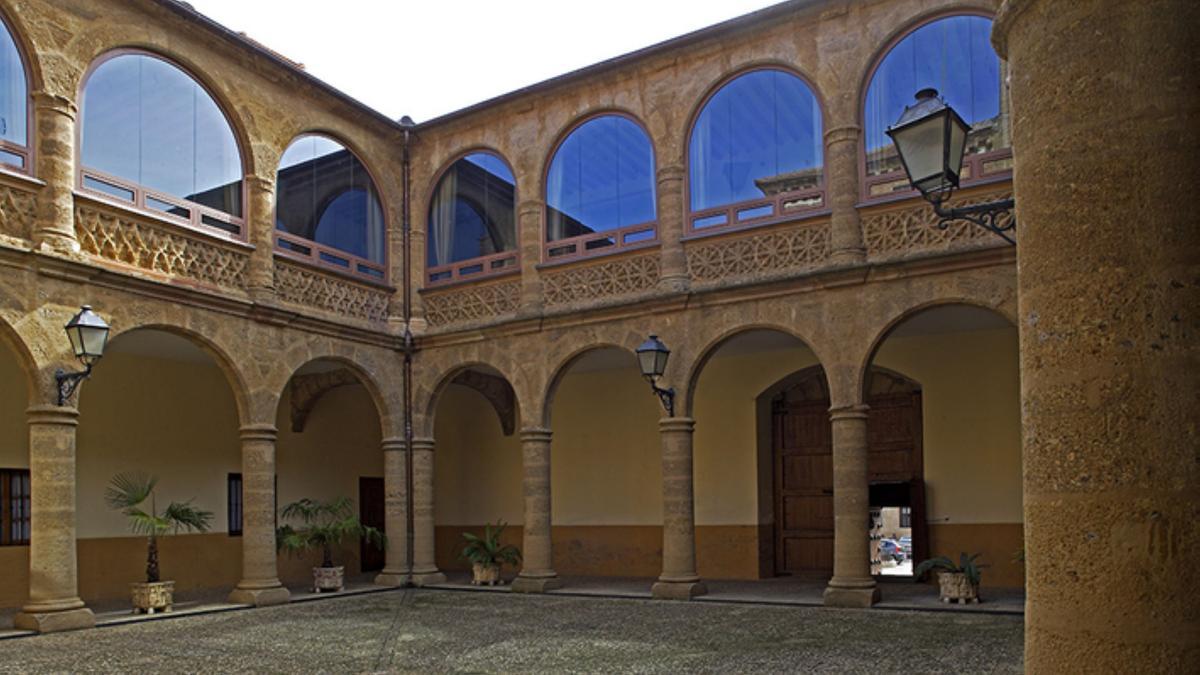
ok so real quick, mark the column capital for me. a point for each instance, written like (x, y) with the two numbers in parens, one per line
(44, 100)
(536, 434)
(671, 172)
(849, 412)
(52, 414)
(842, 134)
(258, 432)
(530, 206)
(422, 444)
(392, 444)
(675, 424)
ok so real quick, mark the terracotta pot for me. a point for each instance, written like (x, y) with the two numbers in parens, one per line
(485, 574)
(955, 587)
(151, 598)
(329, 579)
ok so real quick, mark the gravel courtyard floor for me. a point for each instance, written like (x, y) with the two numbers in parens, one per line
(440, 631)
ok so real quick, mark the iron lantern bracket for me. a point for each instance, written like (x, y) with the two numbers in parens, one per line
(68, 383)
(986, 215)
(665, 396)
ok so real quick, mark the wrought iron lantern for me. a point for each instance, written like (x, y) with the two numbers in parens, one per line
(88, 335)
(931, 139)
(652, 358)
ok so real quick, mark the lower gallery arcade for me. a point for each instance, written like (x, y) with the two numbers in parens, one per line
(942, 428)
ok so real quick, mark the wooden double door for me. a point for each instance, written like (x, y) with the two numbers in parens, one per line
(802, 456)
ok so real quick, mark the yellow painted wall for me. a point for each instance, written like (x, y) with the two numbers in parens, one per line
(340, 443)
(476, 468)
(14, 454)
(970, 391)
(606, 457)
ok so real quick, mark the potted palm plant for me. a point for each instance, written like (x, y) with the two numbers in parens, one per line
(956, 583)
(487, 555)
(324, 525)
(128, 493)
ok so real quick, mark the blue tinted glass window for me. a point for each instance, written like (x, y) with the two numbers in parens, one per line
(759, 135)
(954, 56)
(14, 97)
(323, 193)
(472, 213)
(601, 178)
(149, 123)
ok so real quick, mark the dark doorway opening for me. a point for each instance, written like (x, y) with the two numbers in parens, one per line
(372, 514)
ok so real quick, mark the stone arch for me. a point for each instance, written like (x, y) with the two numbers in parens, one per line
(11, 341)
(578, 120)
(564, 366)
(881, 334)
(190, 68)
(489, 381)
(29, 54)
(912, 23)
(713, 345)
(311, 390)
(219, 355)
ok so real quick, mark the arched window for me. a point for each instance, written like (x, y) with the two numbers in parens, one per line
(327, 208)
(152, 136)
(600, 189)
(755, 152)
(953, 55)
(14, 104)
(472, 220)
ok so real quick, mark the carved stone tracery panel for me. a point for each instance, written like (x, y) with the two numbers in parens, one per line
(327, 292)
(793, 249)
(17, 212)
(914, 229)
(159, 248)
(607, 279)
(470, 303)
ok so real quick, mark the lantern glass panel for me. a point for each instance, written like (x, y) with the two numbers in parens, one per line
(646, 361)
(76, 337)
(921, 147)
(93, 340)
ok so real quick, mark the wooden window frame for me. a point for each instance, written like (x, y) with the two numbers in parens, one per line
(6, 515)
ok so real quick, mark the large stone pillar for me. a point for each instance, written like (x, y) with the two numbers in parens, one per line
(852, 584)
(537, 571)
(260, 226)
(671, 214)
(260, 579)
(679, 580)
(55, 165)
(1106, 140)
(395, 489)
(841, 166)
(54, 603)
(425, 571)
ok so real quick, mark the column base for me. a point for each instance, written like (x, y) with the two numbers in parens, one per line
(535, 584)
(677, 590)
(856, 597)
(395, 579)
(261, 597)
(54, 622)
(848, 256)
(428, 578)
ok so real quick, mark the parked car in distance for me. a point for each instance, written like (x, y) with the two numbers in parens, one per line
(906, 546)
(890, 550)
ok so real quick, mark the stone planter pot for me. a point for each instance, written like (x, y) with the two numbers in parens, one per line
(152, 598)
(955, 587)
(485, 575)
(329, 579)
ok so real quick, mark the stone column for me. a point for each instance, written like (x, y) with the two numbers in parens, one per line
(54, 603)
(395, 490)
(530, 215)
(425, 571)
(537, 572)
(260, 230)
(852, 584)
(260, 579)
(55, 158)
(841, 166)
(679, 580)
(1106, 128)
(418, 324)
(671, 214)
